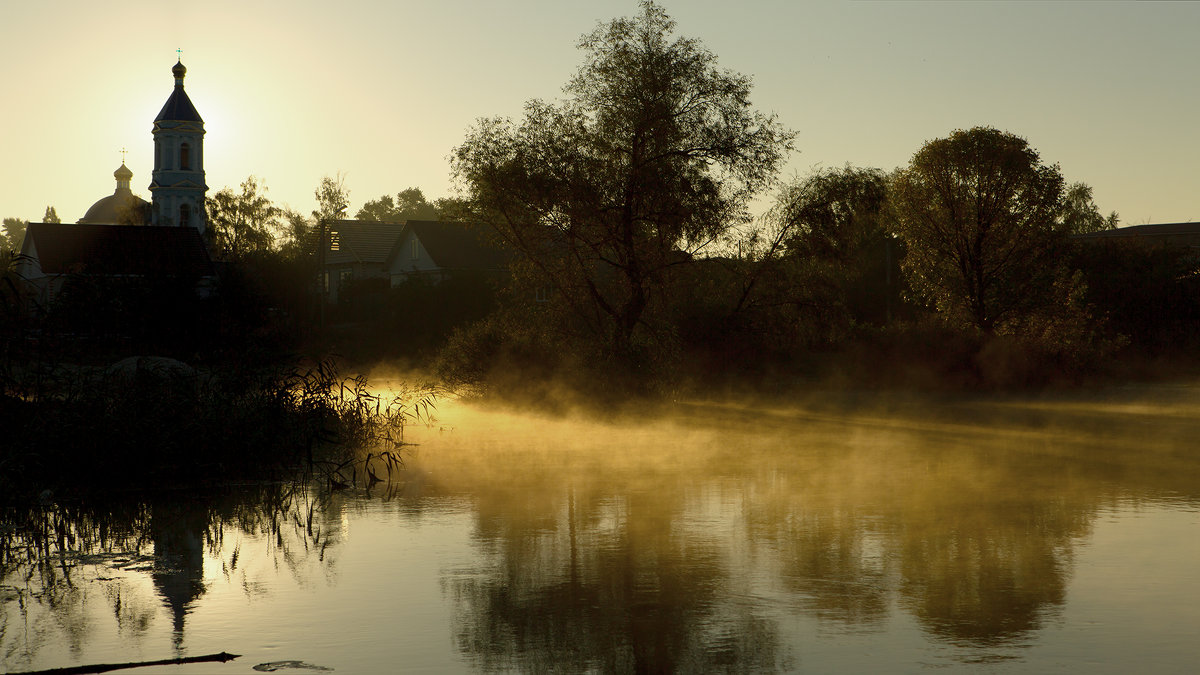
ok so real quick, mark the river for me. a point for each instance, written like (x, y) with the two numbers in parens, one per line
(1048, 534)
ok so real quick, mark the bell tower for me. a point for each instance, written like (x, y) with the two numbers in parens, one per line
(177, 183)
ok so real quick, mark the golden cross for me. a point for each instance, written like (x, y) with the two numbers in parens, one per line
(123, 151)
(179, 55)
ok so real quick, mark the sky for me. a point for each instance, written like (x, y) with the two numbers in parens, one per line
(380, 92)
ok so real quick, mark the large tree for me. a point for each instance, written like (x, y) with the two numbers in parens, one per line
(653, 154)
(242, 223)
(980, 214)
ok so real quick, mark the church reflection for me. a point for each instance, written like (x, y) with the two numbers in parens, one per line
(178, 530)
(51, 556)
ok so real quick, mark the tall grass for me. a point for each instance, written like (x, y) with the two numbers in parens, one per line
(84, 430)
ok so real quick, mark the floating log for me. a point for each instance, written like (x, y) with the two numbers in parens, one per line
(106, 667)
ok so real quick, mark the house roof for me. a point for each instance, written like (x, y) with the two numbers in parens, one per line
(66, 248)
(362, 241)
(457, 246)
(1160, 230)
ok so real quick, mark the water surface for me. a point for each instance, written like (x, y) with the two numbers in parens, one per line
(1056, 535)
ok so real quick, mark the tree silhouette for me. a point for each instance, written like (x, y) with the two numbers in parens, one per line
(654, 154)
(979, 212)
(242, 223)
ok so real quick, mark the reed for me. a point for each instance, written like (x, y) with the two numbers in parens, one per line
(83, 430)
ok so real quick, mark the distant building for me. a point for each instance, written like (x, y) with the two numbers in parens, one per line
(1163, 234)
(54, 253)
(177, 185)
(396, 252)
(122, 207)
(112, 240)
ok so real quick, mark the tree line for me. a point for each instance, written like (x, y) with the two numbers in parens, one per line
(629, 198)
(626, 206)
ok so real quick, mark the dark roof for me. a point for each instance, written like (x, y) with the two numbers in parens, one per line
(364, 241)
(1157, 230)
(67, 248)
(458, 246)
(179, 107)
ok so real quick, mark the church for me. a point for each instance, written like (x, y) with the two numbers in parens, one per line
(122, 237)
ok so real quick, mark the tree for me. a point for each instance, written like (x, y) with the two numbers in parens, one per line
(51, 216)
(979, 212)
(1080, 214)
(242, 223)
(298, 236)
(333, 198)
(655, 153)
(14, 233)
(829, 229)
(409, 204)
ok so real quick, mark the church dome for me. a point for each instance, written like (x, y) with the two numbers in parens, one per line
(122, 207)
(179, 70)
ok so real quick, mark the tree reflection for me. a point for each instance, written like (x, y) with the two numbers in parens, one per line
(685, 552)
(611, 583)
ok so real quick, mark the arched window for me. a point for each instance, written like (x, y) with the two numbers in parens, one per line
(185, 213)
(185, 161)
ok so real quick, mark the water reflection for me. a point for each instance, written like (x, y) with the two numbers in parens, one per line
(58, 560)
(675, 547)
(177, 531)
(725, 538)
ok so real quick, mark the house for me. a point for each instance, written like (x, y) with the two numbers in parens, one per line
(1162, 234)
(356, 250)
(393, 253)
(54, 253)
(435, 250)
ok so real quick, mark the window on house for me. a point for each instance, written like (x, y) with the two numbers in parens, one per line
(541, 294)
(185, 215)
(335, 241)
(345, 275)
(185, 160)
(416, 249)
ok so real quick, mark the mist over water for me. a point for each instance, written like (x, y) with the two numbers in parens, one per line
(1034, 535)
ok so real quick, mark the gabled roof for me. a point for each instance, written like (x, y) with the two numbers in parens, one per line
(361, 241)
(457, 246)
(70, 248)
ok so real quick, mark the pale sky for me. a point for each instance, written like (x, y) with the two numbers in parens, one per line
(382, 91)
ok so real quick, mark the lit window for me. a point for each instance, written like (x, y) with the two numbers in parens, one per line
(335, 241)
